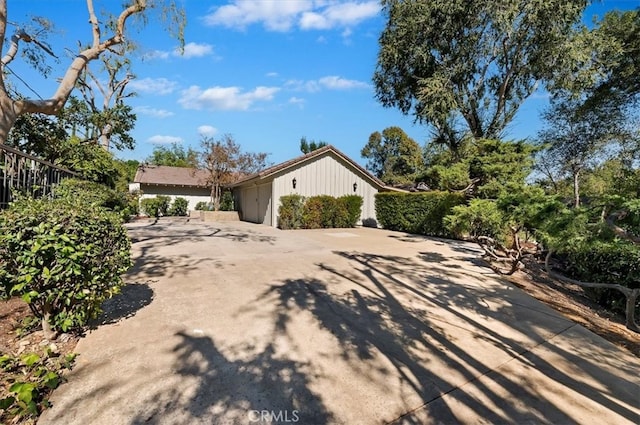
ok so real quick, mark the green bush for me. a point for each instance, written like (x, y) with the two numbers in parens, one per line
(226, 202)
(179, 207)
(353, 205)
(318, 212)
(27, 380)
(312, 213)
(203, 206)
(480, 218)
(155, 207)
(63, 258)
(419, 213)
(290, 212)
(125, 204)
(613, 262)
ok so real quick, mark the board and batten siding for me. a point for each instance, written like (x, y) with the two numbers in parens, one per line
(325, 175)
(255, 203)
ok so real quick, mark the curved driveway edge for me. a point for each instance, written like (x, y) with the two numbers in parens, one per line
(237, 323)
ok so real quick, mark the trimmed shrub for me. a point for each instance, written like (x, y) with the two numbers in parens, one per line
(63, 258)
(614, 262)
(419, 213)
(89, 192)
(353, 205)
(312, 213)
(318, 212)
(155, 207)
(179, 207)
(203, 206)
(480, 218)
(290, 212)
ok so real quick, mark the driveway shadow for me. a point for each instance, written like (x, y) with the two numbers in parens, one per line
(370, 320)
(132, 298)
(237, 391)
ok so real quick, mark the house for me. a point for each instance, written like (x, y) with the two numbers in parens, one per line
(325, 171)
(188, 183)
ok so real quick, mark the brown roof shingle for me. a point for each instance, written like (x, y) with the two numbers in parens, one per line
(170, 176)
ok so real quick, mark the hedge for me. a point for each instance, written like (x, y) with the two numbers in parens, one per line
(317, 212)
(419, 213)
(290, 212)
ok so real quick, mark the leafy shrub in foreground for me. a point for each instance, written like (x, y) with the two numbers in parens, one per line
(26, 382)
(63, 258)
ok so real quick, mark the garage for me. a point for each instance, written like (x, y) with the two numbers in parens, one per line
(325, 171)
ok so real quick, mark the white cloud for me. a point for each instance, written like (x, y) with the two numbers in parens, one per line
(195, 50)
(164, 139)
(224, 98)
(207, 130)
(310, 86)
(152, 112)
(334, 82)
(153, 85)
(279, 15)
(156, 54)
(272, 74)
(297, 101)
(331, 82)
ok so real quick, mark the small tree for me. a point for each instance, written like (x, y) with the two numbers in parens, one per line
(224, 162)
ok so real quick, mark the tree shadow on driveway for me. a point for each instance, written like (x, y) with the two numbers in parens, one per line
(236, 391)
(448, 341)
(132, 298)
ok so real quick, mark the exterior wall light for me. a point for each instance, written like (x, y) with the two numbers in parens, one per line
(355, 187)
(294, 182)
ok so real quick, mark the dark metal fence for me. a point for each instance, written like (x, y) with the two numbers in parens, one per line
(25, 173)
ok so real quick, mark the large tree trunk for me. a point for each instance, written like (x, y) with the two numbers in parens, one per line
(11, 109)
(576, 188)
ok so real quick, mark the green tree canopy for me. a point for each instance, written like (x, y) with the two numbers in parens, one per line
(464, 67)
(580, 134)
(394, 157)
(490, 168)
(174, 155)
(308, 147)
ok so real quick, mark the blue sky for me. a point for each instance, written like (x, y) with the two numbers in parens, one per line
(266, 72)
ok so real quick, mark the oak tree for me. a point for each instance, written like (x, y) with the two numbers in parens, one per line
(465, 67)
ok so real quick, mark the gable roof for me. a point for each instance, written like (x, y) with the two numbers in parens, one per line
(325, 150)
(170, 176)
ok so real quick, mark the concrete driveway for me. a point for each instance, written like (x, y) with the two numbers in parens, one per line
(244, 324)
